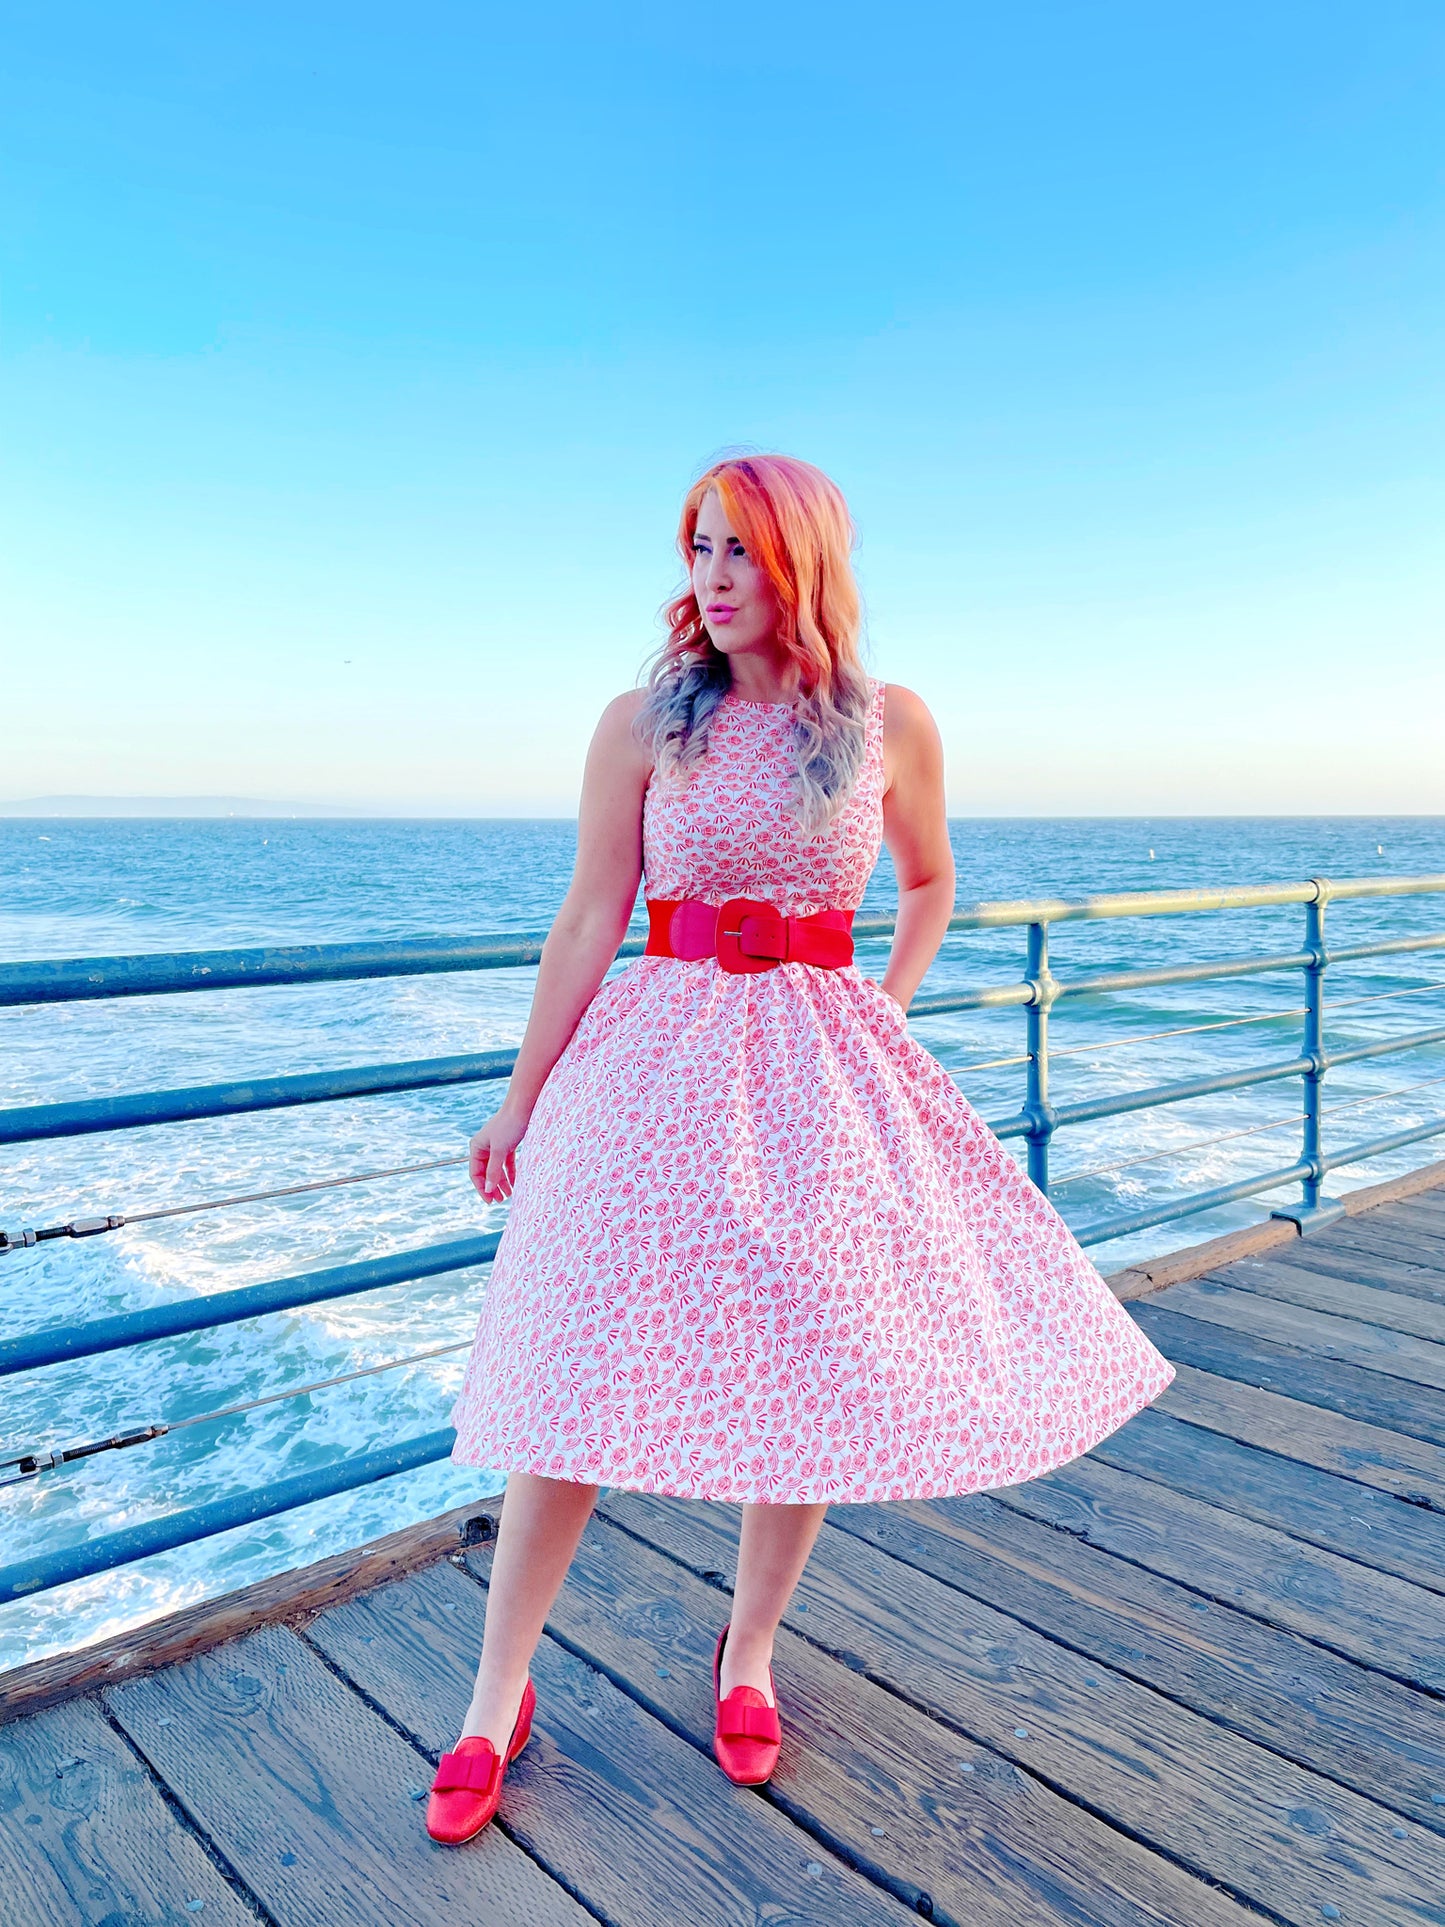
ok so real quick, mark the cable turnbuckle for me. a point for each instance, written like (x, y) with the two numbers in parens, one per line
(77, 1228)
(30, 1463)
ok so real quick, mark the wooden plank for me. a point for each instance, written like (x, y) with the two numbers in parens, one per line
(645, 1830)
(993, 1847)
(1371, 1239)
(1371, 1617)
(1409, 1468)
(1345, 1298)
(1314, 1254)
(1348, 1340)
(1384, 1740)
(286, 1596)
(1321, 1508)
(1417, 1214)
(86, 1839)
(309, 1794)
(1388, 1402)
(1271, 1833)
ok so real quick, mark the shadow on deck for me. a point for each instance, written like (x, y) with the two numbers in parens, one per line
(1194, 1677)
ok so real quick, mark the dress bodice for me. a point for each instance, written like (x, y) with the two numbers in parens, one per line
(726, 827)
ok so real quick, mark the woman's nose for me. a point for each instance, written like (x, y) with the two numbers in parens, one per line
(719, 571)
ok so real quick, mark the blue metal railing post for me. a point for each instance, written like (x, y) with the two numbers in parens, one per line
(1037, 1108)
(1314, 1211)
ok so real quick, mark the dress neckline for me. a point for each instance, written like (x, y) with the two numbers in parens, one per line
(746, 702)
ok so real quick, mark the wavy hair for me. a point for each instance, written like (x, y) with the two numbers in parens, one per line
(795, 524)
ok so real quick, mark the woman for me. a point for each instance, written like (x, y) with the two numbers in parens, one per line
(760, 1247)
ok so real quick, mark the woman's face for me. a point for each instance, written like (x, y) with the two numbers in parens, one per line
(738, 602)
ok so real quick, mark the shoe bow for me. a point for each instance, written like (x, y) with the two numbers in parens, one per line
(471, 1772)
(741, 1719)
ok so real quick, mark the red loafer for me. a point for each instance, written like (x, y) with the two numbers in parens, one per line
(468, 1786)
(748, 1735)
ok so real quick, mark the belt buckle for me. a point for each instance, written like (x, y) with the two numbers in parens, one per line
(743, 923)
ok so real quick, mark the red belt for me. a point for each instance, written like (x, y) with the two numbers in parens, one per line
(746, 935)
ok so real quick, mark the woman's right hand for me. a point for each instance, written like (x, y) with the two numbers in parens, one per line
(491, 1155)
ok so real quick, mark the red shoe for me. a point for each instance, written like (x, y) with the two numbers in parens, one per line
(468, 1785)
(748, 1736)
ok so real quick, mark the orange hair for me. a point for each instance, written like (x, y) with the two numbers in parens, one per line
(795, 524)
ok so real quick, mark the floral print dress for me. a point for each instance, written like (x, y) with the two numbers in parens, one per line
(760, 1246)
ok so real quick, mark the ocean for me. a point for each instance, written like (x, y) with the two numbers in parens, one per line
(87, 887)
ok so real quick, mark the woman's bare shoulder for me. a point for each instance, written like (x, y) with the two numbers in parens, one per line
(615, 733)
(905, 714)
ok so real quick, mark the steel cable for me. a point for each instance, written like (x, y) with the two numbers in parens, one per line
(29, 1463)
(93, 1227)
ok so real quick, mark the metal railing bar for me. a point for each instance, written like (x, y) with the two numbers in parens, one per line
(1386, 1047)
(46, 1570)
(1377, 1147)
(979, 997)
(1004, 996)
(74, 979)
(138, 1110)
(1185, 1030)
(1396, 946)
(57, 1343)
(171, 973)
(1101, 1231)
(1226, 968)
(1118, 1103)
(1378, 1097)
(1290, 1123)
(1123, 1043)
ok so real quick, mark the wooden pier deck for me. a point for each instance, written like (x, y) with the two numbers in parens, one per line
(1195, 1677)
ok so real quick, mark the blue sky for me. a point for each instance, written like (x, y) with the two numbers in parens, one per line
(355, 360)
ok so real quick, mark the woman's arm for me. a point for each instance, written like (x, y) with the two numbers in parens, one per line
(915, 828)
(585, 933)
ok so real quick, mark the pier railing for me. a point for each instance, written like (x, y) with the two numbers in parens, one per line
(1037, 993)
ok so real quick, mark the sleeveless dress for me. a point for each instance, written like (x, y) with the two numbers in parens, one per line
(760, 1246)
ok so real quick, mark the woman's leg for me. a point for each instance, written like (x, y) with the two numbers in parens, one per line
(776, 1541)
(542, 1522)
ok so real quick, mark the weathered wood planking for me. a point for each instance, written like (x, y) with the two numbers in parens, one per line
(86, 1837)
(1318, 1254)
(1410, 1468)
(1347, 1340)
(642, 1826)
(1342, 1720)
(308, 1795)
(1425, 1213)
(1393, 1403)
(1373, 1528)
(1371, 1617)
(1370, 1240)
(990, 1845)
(1260, 1826)
(1346, 1298)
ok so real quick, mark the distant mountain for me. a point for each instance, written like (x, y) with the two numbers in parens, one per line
(165, 806)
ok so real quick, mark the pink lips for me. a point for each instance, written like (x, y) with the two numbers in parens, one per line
(721, 611)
